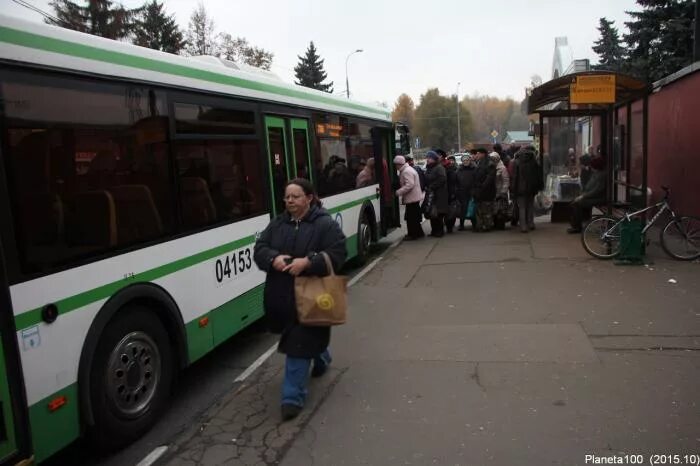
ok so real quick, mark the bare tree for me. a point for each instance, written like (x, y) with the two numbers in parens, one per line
(200, 34)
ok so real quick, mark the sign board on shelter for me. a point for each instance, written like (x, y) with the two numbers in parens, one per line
(593, 89)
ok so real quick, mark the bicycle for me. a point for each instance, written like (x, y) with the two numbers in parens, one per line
(680, 237)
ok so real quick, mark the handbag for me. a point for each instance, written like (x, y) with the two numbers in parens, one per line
(429, 208)
(453, 209)
(321, 301)
(503, 208)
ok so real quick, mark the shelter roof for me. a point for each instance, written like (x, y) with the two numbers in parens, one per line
(557, 90)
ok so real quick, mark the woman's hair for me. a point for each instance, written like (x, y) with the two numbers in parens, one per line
(308, 189)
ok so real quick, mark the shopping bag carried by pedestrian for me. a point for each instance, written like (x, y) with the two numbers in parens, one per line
(503, 209)
(453, 209)
(321, 301)
(429, 208)
(471, 209)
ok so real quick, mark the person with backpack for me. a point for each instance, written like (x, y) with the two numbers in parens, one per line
(411, 195)
(527, 182)
(419, 170)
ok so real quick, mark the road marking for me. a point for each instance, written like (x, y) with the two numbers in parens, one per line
(364, 271)
(153, 456)
(258, 362)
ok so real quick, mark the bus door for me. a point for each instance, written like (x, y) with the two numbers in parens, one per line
(280, 170)
(288, 153)
(13, 433)
(301, 149)
(383, 140)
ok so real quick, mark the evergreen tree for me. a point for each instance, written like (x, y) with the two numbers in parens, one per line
(660, 38)
(200, 34)
(98, 17)
(155, 30)
(309, 72)
(608, 47)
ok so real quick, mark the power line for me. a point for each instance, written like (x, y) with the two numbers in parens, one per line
(436, 118)
(35, 9)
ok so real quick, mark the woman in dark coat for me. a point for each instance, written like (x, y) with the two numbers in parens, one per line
(484, 191)
(436, 180)
(291, 246)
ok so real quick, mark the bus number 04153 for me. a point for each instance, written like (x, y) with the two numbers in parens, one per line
(233, 264)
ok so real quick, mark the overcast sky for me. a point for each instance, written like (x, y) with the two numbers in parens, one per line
(492, 47)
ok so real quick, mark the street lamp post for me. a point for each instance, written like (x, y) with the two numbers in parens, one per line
(347, 84)
(459, 132)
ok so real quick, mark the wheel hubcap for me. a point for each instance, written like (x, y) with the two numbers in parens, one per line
(133, 374)
(365, 236)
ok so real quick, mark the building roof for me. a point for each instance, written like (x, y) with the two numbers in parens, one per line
(517, 136)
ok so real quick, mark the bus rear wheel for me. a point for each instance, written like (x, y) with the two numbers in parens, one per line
(131, 377)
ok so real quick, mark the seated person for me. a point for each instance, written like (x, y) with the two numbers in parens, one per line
(594, 193)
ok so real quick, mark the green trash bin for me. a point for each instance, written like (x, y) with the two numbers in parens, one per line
(631, 242)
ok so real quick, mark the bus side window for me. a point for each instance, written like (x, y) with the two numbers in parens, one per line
(88, 167)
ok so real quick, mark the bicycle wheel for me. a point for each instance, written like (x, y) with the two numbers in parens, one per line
(680, 238)
(601, 238)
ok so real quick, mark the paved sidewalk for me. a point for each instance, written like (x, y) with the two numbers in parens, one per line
(500, 348)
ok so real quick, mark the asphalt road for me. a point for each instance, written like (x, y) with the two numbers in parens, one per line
(198, 388)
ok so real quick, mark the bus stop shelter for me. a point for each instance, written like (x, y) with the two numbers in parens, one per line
(587, 114)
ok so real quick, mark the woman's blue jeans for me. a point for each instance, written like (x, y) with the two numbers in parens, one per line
(296, 375)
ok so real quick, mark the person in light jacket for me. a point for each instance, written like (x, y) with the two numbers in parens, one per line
(291, 245)
(411, 196)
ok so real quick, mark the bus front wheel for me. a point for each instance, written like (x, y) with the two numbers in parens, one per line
(131, 377)
(364, 238)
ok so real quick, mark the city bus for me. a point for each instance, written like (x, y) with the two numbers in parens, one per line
(133, 184)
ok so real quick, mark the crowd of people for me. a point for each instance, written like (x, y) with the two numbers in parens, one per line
(489, 190)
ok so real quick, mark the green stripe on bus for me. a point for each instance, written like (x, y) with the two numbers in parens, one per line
(71, 303)
(33, 317)
(223, 322)
(64, 47)
(351, 204)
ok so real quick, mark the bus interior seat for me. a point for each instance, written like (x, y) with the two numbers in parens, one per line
(197, 204)
(136, 212)
(92, 221)
(42, 218)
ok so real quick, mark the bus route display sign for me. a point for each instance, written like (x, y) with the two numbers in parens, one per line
(593, 89)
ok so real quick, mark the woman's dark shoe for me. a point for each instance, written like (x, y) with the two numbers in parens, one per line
(290, 411)
(319, 370)
(572, 230)
(461, 228)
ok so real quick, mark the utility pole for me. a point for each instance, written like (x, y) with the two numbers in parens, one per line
(347, 83)
(459, 131)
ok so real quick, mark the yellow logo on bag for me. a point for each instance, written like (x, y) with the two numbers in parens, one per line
(325, 301)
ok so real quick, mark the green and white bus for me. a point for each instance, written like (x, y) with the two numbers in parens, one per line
(132, 186)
